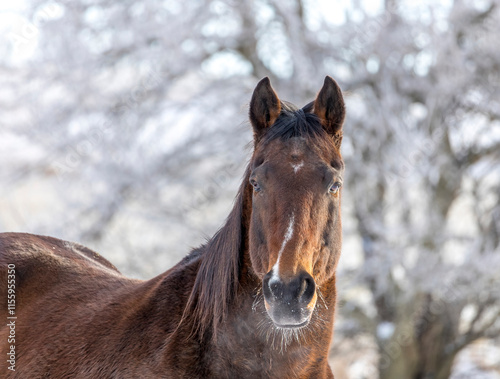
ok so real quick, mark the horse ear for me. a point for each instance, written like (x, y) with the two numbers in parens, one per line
(265, 107)
(329, 107)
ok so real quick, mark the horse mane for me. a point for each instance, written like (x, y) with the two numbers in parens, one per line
(217, 279)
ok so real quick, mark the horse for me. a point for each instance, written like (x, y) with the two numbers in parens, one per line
(257, 300)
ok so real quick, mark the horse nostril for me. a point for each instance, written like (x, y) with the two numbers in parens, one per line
(307, 288)
(303, 287)
(272, 288)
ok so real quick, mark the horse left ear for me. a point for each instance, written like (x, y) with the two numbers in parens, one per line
(330, 108)
(265, 108)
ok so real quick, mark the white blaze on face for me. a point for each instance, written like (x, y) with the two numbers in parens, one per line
(288, 237)
(298, 166)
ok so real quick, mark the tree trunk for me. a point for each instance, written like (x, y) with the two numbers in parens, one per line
(408, 364)
(421, 347)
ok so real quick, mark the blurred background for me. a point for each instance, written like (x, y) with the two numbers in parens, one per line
(123, 126)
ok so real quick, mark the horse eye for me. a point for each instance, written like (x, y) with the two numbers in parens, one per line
(335, 187)
(255, 185)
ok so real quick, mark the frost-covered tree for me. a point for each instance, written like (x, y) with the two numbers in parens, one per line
(124, 127)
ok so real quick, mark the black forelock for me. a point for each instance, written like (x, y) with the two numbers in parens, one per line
(294, 122)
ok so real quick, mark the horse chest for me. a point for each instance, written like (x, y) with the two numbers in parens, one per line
(246, 350)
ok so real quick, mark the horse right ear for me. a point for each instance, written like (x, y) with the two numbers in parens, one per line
(265, 107)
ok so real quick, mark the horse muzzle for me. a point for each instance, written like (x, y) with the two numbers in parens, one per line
(289, 303)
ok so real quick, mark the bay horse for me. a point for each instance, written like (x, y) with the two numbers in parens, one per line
(256, 301)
